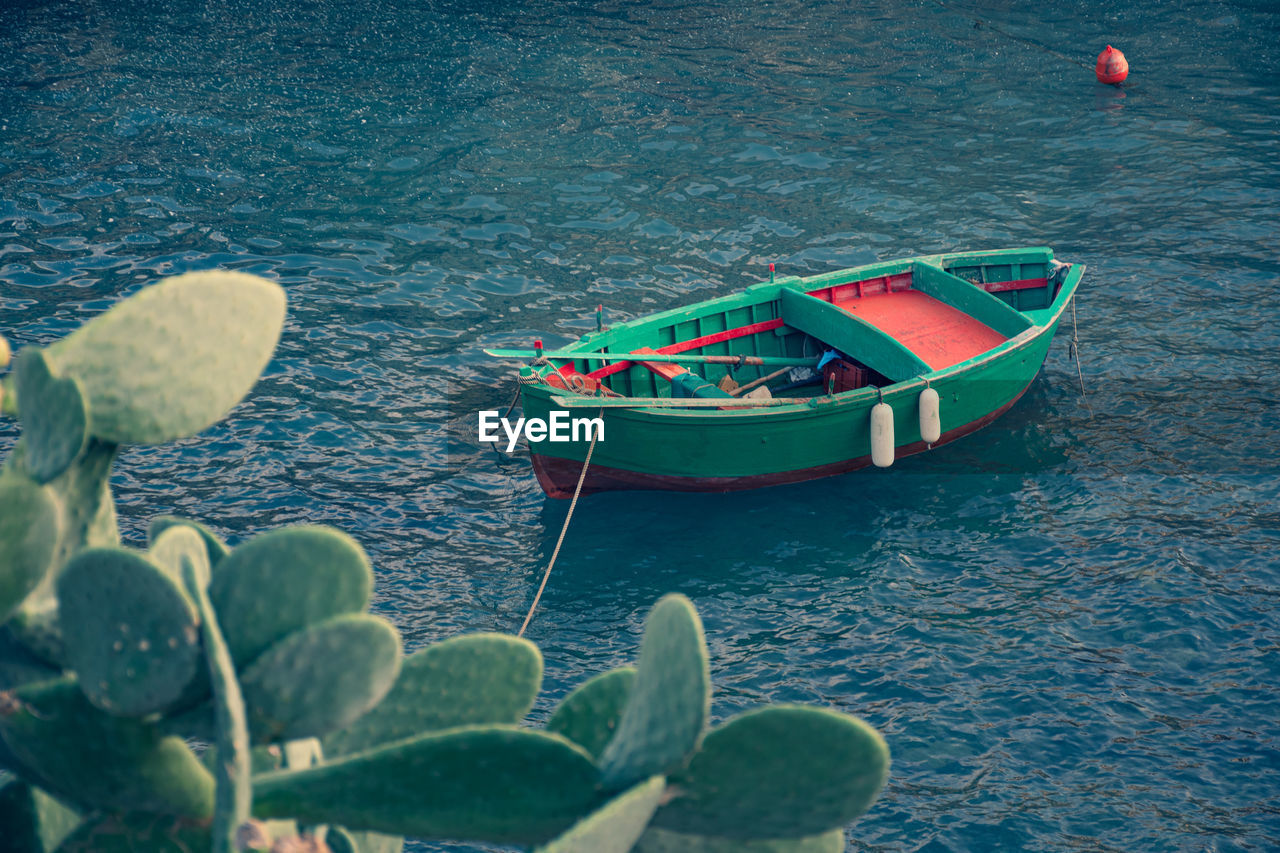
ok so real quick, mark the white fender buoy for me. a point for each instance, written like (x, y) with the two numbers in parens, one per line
(930, 419)
(881, 435)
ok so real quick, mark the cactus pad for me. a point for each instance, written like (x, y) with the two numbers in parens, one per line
(216, 548)
(285, 580)
(130, 632)
(138, 833)
(321, 678)
(175, 357)
(346, 841)
(88, 519)
(442, 785)
(785, 771)
(470, 680)
(55, 417)
(589, 715)
(18, 666)
(29, 526)
(175, 547)
(669, 703)
(233, 795)
(33, 821)
(665, 841)
(614, 827)
(93, 760)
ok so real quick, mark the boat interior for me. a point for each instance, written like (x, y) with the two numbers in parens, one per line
(882, 324)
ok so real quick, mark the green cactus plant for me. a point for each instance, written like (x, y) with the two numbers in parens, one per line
(94, 760)
(442, 784)
(18, 666)
(665, 841)
(271, 639)
(284, 581)
(341, 840)
(176, 547)
(616, 826)
(589, 715)
(785, 771)
(87, 518)
(233, 793)
(216, 549)
(668, 705)
(468, 680)
(138, 832)
(130, 632)
(28, 538)
(321, 678)
(32, 820)
(54, 415)
(175, 357)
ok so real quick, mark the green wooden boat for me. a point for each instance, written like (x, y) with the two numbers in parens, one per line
(947, 343)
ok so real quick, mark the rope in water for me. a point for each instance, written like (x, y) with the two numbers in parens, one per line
(1074, 354)
(577, 490)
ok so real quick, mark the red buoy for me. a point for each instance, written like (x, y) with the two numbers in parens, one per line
(1112, 66)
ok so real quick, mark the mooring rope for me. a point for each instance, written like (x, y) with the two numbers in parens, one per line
(1073, 352)
(577, 490)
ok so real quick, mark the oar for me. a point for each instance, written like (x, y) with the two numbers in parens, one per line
(675, 402)
(742, 389)
(759, 360)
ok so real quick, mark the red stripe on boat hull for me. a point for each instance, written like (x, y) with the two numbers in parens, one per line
(558, 476)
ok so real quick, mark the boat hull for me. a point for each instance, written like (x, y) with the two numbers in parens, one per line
(719, 450)
(558, 476)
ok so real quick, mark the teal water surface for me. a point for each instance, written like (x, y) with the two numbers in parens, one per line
(1065, 625)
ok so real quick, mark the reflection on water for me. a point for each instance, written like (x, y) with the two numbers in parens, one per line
(1064, 624)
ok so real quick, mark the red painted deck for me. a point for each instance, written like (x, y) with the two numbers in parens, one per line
(939, 334)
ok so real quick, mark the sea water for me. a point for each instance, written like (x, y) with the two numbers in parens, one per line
(1065, 625)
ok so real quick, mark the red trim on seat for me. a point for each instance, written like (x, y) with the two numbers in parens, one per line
(721, 337)
(695, 343)
(1020, 284)
(895, 283)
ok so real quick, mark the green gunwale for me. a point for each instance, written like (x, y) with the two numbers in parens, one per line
(820, 431)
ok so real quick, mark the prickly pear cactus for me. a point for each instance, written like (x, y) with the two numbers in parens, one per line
(614, 827)
(176, 548)
(321, 678)
(668, 705)
(31, 819)
(29, 529)
(589, 716)
(111, 659)
(216, 549)
(469, 680)
(87, 518)
(442, 785)
(55, 416)
(785, 771)
(665, 841)
(131, 634)
(138, 832)
(341, 840)
(94, 760)
(284, 581)
(175, 357)
(233, 792)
